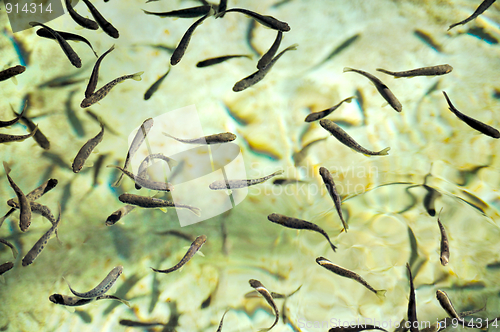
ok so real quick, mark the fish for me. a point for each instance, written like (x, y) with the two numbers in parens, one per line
(131, 323)
(183, 13)
(72, 301)
(430, 200)
(143, 182)
(103, 287)
(445, 248)
(295, 223)
(118, 214)
(152, 89)
(41, 243)
(107, 27)
(269, 55)
(66, 35)
(8, 244)
(5, 267)
(320, 115)
(425, 71)
(102, 92)
(35, 208)
(285, 182)
(347, 140)
(481, 9)
(267, 295)
(195, 246)
(427, 39)
(25, 214)
(478, 125)
(38, 136)
(139, 138)
(261, 73)
(210, 139)
(348, 42)
(237, 184)
(95, 73)
(72, 116)
(348, 274)
(253, 294)
(70, 53)
(100, 121)
(4, 124)
(412, 304)
(299, 156)
(446, 304)
(265, 20)
(11, 72)
(179, 234)
(97, 168)
(381, 88)
(219, 59)
(332, 190)
(152, 203)
(86, 150)
(80, 20)
(144, 165)
(186, 38)
(219, 329)
(356, 328)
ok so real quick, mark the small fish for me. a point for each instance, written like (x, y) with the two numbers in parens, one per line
(95, 73)
(179, 234)
(6, 267)
(412, 304)
(42, 189)
(445, 248)
(6, 138)
(261, 73)
(332, 190)
(152, 203)
(300, 155)
(320, 115)
(425, 71)
(478, 125)
(41, 243)
(195, 246)
(97, 168)
(347, 274)
(72, 301)
(482, 7)
(152, 89)
(107, 27)
(118, 214)
(267, 21)
(4, 124)
(11, 72)
(356, 328)
(144, 165)
(219, 59)
(66, 35)
(427, 39)
(259, 287)
(339, 49)
(446, 304)
(269, 55)
(237, 184)
(38, 136)
(253, 294)
(211, 139)
(143, 182)
(8, 244)
(285, 182)
(381, 88)
(102, 92)
(347, 140)
(429, 200)
(25, 214)
(101, 121)
(131, 323)
(295, 223)
(35, 208)
(70, 53)
(103, 287)
(82, 21)
(86, 150)
(183, 13)
(183, 44)
(219, 329)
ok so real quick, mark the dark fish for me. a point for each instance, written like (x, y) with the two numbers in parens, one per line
(25, 214)
(347, 140)
(347, 274)
(38, 136)
(249, 36)
(109, 29)
(295, 223)
(265, 20)
(183, 13)
(219, 329)
(152, 89)
(82, 21)
(6, 267)
(426, 38)
(97, 168)
(179, 234)
(95, 74)
(4, 124)
(381, 88)
(103, 287)
(35, 208)
(152, 203)
(42, 190)
(73, 118)
(425, 71)
(210, 139)
(118, 214)
(355, 328)
(445, 248)
(259, 287)
(8, 244)
(195, 246)
(320, 115)
(478, 125)
(285, 182)
(70, 53)
(72, 301)
(11, 72)
(102, 92)
(412, 304)
(183, 44)
(482, 7)
(332, 190)
(237, 184)
(482, 34)
(143, 182)
(66, 35)
(86, 150)
(430, 200)
(6, 138)
(100, 120)
(131, 323)
(269, 55)
(339, 49)
(219, 59)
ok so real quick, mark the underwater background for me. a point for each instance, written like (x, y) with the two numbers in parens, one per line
(432, 153)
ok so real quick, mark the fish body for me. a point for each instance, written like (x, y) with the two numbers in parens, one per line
(219, 329)
(42, 189)
(332, 190)
(107, 27)
(155, 86)
(186, 38)
(446, 304)
(38, 136)
(144, 165)
(259, 287)
(4, 124)
(8, 244)
(72, 301)
(25, 214)
(478, 125)
(320, 115)
(11, 72)
(412, 304)
(35, 208)
(295, 223)
(381, 88)
(66, 35)
(82, 21)
(118, 214)
(152, 203)
(86, 150)
(143, 182)
(6, 138)
(237, 184)
(102, 92)
(269, 55)
(195, 246)
(183, 13)
(425, 71)
(210, 139)
(95, 74)
(347, 140)
(131, 323)
(6, 267)
(445, 248)
(347, 274)
(219, 59)
(430, 200)
(103, 287)
(265, 20)
(481, 9)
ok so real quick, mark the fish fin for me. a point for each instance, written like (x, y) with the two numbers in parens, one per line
(96, 151)
(6, 167)
(381, 293)
(278, 172)
(137, 76)
(348, 100)
(164, 210)
(88, 163)
(196, 211)
(14, 80)
(229, 192)
(384, 152)
(200, 253)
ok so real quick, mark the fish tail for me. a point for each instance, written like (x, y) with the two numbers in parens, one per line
(380, 293)
(195, 210)
(118, 182)
(292, 47)
(334, 248)
(278, 172)
(6, 167)
(346, 69)
(137, 76)
(384, 152)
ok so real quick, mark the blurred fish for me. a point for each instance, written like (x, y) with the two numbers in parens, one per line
(412, 305)
(249, 36)
(152, 89)
(153, 203)
(11, 72)
(269, 55)
(427, 39)
(348, 42)
(118, 214)
(237, 184)
(95, 73)
(210, 139)
(482, 34)
(100, 121)
(195, 246)
(8, 244)
(25, 214)
(179, 234)
(66, 35)
(131, 323)
(320, 115)
(219, 59)
(82, 21)
(97, 168)
(38, 136)
(107, 27)
(445, 248)
(299, 156)
(103, 287)
(4, 124)
(332, 190)
(143, 167)
(143, 182)
(23, 54)
(285, 182)
(183, 13)
(259, 287)
(425, 71)
(265, 20)
(482, 7)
